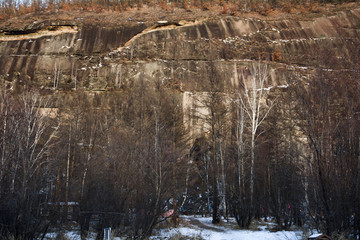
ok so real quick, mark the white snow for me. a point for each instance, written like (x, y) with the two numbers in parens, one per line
(208, 231)
(315, 235)
(244, 235)
(201, 227)
(283, 86)
(64, 203)
(50, 235)
(72, 235)
(275, 30)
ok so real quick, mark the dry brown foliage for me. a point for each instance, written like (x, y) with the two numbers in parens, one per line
(265, 9)
(206, 6)
(276, 56)
(286, 7)
(186, 5)
(224, 9)
(233, 10)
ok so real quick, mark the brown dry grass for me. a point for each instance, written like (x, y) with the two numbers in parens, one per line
(150, 14)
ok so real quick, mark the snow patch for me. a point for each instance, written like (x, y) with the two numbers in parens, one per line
(226, 231)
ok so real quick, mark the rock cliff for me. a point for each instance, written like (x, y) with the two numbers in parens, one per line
(66, 55)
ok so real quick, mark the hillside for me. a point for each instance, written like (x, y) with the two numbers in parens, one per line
(118, 117)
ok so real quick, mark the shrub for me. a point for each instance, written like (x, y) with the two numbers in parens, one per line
(265, 9)
(224, 10)
(206, 6)
(233, 10)
(186, 5)
(66, 7)
(287, 7)
(276, 56)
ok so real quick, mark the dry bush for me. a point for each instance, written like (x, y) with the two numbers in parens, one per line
(129, 5)
(165, 6)
(315, 7)
(196, 3)
(233, 9)
(148, 3)
(252, 6)
(276, 56)
(206, 6)
(98, 8)
(66, 7)
(224, 9)
(186, 5)
(118, 8)
(301, 8)
(178, 4)
(50, 7)
(28, 9)
(75, 6)
(6, 13)
(126, 6)
(2, 15)
(286, 7)
(140, 5)
(265, 9)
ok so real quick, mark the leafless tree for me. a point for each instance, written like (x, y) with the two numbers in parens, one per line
(29, 135)
(327, 117)
(255, 107)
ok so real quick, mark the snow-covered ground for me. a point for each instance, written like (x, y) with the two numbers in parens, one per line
(202, 228)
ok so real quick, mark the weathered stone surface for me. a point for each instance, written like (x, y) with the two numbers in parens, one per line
(180, 54)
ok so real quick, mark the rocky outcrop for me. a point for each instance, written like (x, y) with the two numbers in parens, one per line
(184, 55)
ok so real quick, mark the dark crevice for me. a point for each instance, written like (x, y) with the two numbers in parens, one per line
(165, 24)
(16, 32)
(19, 32)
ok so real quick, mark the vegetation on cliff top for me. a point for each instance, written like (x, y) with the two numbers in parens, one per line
(13, 8)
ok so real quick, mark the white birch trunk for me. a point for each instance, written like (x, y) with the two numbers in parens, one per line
(252, 101)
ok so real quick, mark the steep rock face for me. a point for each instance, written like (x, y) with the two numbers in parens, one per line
(182, 55)
(232, 38)
(63, 50)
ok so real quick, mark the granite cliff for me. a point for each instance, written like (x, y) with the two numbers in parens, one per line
(74, 54)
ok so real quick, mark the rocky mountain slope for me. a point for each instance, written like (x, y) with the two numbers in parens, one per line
(148, 112)
(75, 53)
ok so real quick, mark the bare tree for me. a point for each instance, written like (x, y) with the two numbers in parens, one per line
(327, 117)
(29, 135)
(253, 103)
(212, 111)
